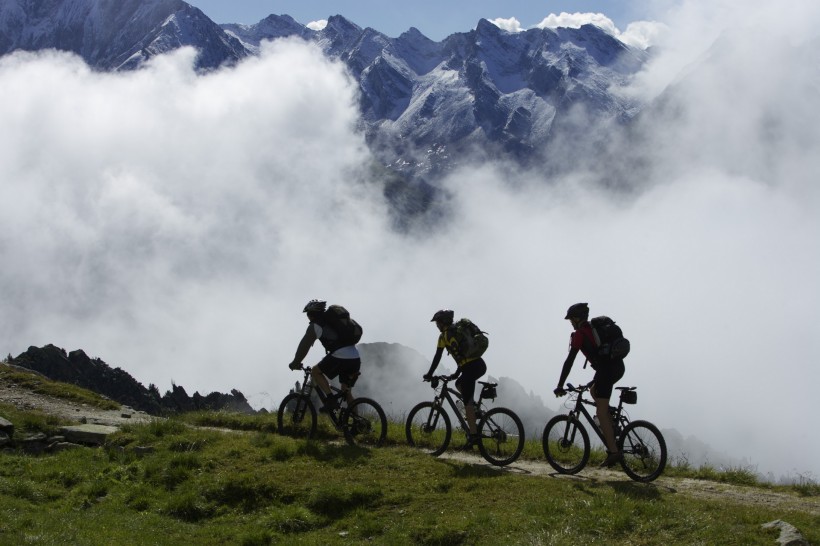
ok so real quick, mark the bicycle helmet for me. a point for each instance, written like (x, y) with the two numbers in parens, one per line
(579, 310)
(315, 306)
(444, 315)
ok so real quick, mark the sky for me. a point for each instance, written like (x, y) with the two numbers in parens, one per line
(175, 224)
(436, 20)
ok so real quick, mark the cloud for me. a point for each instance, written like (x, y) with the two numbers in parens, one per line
(317, 25)
(577, 20)
(642, 34)
(510, 25)
(639, 34)
(175, 224)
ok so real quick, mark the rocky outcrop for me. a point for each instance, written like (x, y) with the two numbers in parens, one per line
(789, 535)
(95, 375)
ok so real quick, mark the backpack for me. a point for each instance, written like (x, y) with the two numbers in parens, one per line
(471, 341)
(344, 330)
(609, 338)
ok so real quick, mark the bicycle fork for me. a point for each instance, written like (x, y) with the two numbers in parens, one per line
(571, 429)
(432, 417)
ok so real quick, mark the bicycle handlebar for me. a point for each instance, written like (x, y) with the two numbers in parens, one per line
(434, 380)
(579, 390)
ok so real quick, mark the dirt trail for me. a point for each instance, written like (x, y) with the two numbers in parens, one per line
(24, 399)
(700, 489)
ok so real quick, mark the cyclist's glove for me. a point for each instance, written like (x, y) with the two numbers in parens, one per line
(295, 365)
(427, 376)
(559, 392)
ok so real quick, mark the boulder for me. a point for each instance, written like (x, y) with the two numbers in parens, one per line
(88, 433)
(6, 427)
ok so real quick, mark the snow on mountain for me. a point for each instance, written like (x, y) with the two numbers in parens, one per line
(115, 35)
(422, 102)
(269, 28)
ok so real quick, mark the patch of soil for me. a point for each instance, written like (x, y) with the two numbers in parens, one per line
(24, 399)
(700, 489)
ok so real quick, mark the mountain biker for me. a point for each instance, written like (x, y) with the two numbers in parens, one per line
(468, 371)
(608, 371)
(343, 362)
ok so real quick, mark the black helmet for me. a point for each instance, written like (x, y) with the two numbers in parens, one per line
(315, 306)
(579, 310)
(444, 315)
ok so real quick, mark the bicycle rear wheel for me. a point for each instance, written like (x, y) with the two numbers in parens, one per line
(297, 416)
(428, 428)
(566, 444)
(364, 423)
(501, 436)
(644, 451)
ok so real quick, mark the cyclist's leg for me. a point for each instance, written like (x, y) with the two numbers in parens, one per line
(465, 384)
(349, 371)
(606, 376)
(327, 368)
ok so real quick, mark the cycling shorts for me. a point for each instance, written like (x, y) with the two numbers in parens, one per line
(346, 368)
(608, 373)
(470, 372)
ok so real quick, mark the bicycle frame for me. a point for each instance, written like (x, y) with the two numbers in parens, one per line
(566, 441)
(500, 436)
(619, 421)
(308, 385)
(449, 394)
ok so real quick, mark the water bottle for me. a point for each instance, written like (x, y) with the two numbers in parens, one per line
(460, 407)
(596, 421)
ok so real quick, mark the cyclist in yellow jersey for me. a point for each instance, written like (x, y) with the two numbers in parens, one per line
(469, 370)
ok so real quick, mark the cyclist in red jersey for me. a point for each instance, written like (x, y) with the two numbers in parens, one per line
(607, 372)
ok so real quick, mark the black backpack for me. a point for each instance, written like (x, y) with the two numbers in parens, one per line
(471, 341)
(609, 338)
(339, 329)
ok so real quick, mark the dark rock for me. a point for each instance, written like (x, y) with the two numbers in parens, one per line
(95, 375)
(6, 427)
(62, 446)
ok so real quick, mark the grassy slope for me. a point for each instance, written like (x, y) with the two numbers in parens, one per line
(257, 487)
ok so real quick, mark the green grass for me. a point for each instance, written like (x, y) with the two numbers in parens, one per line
(251, 486)
(256, 487)
(31, 421)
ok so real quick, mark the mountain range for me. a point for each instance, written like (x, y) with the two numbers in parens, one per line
(424, 104)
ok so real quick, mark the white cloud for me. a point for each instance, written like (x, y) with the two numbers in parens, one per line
(510, 25)
(317, 25)
(175, 224)
(640, 34)
(577, 20)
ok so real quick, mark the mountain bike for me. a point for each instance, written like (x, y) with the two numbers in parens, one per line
(363, 421)
(566, 441)
(500, 431)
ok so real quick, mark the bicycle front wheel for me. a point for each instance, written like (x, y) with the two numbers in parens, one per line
(566, 444)
(644, 451)
(501, 436)
(428, 428)
(364, 423)
(297, 416)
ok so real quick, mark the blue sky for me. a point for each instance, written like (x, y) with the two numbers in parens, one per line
(435, 19)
